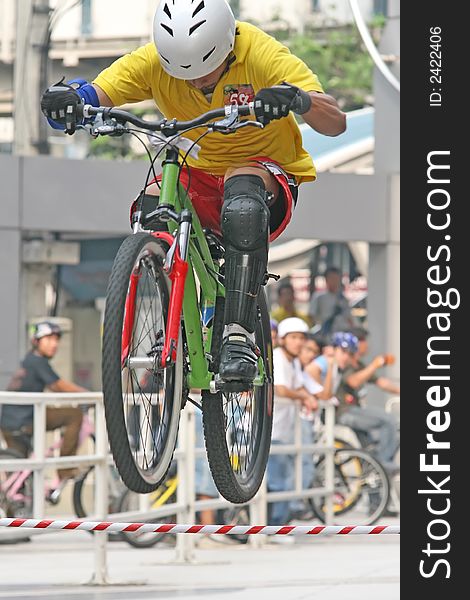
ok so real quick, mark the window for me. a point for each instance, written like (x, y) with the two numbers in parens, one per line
(235, 4)
(380, 7)
(86, 17)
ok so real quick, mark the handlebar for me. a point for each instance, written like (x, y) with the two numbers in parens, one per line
(164, 125)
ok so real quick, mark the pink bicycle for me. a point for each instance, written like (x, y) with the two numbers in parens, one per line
(16, 487)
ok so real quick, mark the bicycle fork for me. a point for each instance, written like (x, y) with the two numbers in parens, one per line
(176, 266)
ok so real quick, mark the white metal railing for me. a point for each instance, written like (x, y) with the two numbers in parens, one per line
(186, 504)
(38, 463)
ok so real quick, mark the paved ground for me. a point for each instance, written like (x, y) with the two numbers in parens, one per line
(60, 564)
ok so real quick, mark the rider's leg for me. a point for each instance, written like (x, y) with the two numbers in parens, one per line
(70, 418)
(245, 230)
(369, 418)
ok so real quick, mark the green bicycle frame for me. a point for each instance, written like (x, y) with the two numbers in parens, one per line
(198, 314)
(202, 266)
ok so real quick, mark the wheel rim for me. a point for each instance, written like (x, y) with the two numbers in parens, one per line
(147, 392)
(244, 415)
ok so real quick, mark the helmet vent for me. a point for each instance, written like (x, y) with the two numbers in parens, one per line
(185, 66)
(169, 29)
(208, 54)
(167, 11)
(199, 8)
(194, 27)
(165, 59)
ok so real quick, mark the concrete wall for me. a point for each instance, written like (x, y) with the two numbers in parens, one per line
(40, 195)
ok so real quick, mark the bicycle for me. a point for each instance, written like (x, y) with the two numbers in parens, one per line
(156, 324)
(16, 487)
(361, 486)
(165, 493)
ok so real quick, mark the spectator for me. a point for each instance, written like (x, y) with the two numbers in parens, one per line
(286, 302)
(289, 394)
(35, 375)
(327, 369)
(274, 332)
(310, 350)
(330, 309)
(351, 393)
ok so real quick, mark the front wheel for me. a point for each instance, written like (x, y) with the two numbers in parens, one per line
(16, 491)
(142, 401)
(237, 426)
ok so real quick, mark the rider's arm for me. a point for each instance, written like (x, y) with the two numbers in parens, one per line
(103, 97)
(359, 378)
(325, 116)
(314, 370)
(129, 79)
(61, 385)
(279, 65)
(301, 394)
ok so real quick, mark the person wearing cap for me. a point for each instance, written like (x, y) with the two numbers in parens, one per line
(327, 369)
(35, 375)
(290, 395)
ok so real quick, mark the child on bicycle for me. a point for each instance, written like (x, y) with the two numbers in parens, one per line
(245, 191)
(35, 375)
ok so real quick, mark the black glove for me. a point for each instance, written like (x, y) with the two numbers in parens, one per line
(276, 102)
(59, 103)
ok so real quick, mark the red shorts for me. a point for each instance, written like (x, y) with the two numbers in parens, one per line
(207, 194)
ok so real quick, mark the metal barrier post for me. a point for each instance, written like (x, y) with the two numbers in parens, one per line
(329, 461)
(298, 451)
(185, 490)
(101, 496)
(39, 447)
(259, 514)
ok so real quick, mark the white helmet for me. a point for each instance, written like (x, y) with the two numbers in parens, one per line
(193, 37)
(291, 325)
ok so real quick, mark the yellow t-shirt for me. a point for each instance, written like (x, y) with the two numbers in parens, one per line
(260, 61)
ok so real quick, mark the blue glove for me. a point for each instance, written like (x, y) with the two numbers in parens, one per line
(63, 97)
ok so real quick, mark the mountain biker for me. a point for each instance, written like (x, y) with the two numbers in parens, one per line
(243, 187)
(34, 375)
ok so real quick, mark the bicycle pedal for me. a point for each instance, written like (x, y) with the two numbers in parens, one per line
(54, 496)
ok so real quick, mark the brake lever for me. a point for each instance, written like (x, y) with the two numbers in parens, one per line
(227, 124)
(107, 127)
(227, 130)
(247, 123)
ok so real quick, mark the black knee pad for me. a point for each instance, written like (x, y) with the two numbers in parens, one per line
(245, 215)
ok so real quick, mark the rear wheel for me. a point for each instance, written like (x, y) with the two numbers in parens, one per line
(142, 401)
(130, 501)
(237, 425)
(15, 500)
(83, 495)
(361, 488)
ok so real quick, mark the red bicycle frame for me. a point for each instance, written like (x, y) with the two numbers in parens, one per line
(177, 275)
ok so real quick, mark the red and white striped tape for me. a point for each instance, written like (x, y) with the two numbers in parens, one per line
(205, 529)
